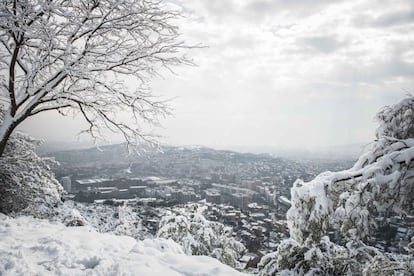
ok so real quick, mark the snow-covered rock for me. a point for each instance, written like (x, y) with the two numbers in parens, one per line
(30, 246)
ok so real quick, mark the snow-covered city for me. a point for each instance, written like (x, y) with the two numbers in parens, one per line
(206, 138)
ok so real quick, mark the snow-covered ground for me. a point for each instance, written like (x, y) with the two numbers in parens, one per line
(31, 246)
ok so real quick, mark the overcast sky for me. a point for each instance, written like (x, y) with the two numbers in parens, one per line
(280, 73)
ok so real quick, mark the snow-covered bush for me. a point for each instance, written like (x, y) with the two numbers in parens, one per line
(397, 121)
(74, 219)
(349, 203)
(379, 184)
(198, 236)
(25, 178)
(130, 224)
(118, 220)
(390, 265)
(323, 258)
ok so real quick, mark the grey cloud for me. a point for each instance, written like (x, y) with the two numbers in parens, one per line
(282, 27)
(297, 7)
(221, 10)
(322, 44)
(385, 20)
(255, 11)
(395, 18)
(379, 72)
(242, 41)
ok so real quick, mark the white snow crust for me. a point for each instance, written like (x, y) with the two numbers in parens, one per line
(30, 246)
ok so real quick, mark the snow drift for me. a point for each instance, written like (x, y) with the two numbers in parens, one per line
(30, 246)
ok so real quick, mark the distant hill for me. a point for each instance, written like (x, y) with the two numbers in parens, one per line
(338, 152)
(54, 146)
(187, 162)
(118, 154)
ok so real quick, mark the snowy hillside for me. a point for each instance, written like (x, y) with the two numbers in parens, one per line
(31, 246)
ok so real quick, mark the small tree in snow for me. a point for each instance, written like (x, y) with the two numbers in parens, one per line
(75, 55)
(130, 224)
(199, 236)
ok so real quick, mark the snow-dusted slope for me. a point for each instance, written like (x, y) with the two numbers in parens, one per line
(31, 246)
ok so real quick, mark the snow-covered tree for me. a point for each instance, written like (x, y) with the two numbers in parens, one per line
(118, 220)
(380, 184)
(199, 236)
(76, 57)
(390, 265)
(26, 180)
(293, 258)
(329, 258)
(130, 224)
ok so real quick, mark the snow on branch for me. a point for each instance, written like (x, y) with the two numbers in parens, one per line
(381, 183)
(77, 56)
(199, 236)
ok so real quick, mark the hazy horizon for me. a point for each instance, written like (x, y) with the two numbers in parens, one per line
(338, 152)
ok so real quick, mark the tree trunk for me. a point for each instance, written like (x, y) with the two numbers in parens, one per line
(5, 132)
